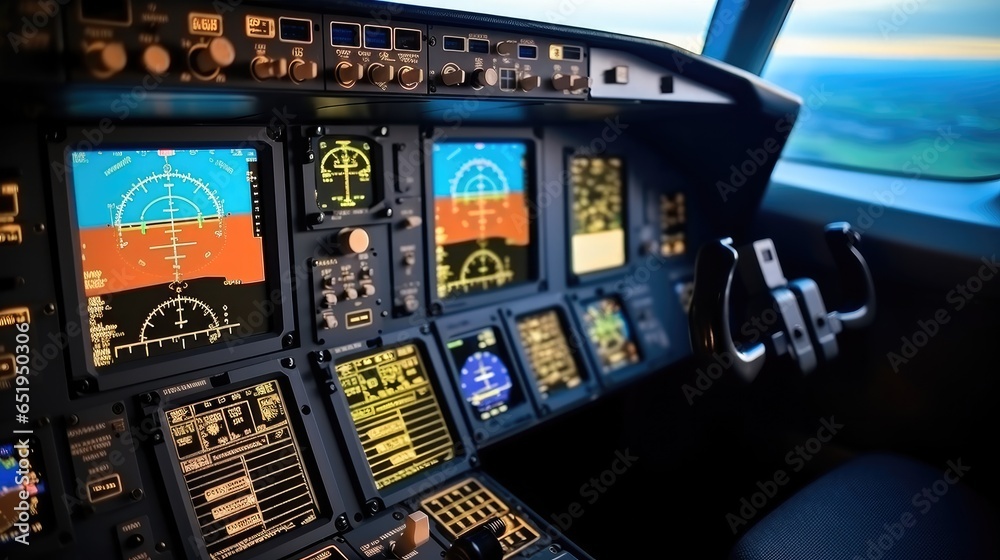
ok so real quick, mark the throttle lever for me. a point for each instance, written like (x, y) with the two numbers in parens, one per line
(842, 240)
(709, 314)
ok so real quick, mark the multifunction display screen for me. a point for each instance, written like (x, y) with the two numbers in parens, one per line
(550, 357)
(396, 413)
(242, 467)
(485, 376)
(610, 334)
(483, 229)
(598, 230)
(171, 249)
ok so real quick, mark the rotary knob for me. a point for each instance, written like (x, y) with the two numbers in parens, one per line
(300, 71)
(208, 60)
(379, 73)
(352, 240)
(106, 59)
(347, 73)
(568, 82)
(529, 82)
(451, 76)
(410, 78)
(506, 48)
(156, 59)
(482, 77)
(264, 68)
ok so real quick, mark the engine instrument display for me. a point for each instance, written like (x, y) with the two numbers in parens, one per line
(482, 224)
(608, 330)
(484, 375)
(242, 467)
(344, 174)
(25, 503)
(598, 231)
(171, 249)
(396, 413)
(550, 356)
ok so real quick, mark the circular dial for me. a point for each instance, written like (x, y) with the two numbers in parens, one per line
(345, 175)
(169, 224)
(485, 381)
(180, 318)
(597, 197)
(483, 269)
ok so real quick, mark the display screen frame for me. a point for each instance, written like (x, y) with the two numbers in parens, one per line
(519, 414)
(318, 467)
(278, 281)
(374, 499)
(537, 273)
(566, 398)
(381, 173)
(602, 274)
(613, 378)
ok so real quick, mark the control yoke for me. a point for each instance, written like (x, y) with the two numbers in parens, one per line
(801, 328)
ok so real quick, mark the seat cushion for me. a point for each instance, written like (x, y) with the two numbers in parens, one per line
(878, 507)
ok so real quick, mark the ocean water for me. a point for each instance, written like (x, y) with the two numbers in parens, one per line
(930, 118)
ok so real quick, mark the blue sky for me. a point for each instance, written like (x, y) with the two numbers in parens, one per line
(876, 28)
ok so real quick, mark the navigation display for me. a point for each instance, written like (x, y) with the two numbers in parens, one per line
(242, 467)
(550, 357)
(609, 332)
(485, 377)
(25, 503)
(171, 249)
(344, 174)
(482, 224)
(598, 230)
(396, 413)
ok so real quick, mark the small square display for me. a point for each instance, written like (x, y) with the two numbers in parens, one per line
(485, 376)
(550, 356)
(609, 332)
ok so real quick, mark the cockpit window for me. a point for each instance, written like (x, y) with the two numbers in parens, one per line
(679, 22)
(907, 87)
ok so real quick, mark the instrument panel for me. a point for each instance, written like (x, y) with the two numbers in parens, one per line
(188, 254)
(291, 338)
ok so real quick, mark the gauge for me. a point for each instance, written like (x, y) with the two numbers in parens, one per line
(170, 223)
(484, 377)
(485, 381)
(344, 174)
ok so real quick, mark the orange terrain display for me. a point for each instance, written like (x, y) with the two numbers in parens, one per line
(141, 256)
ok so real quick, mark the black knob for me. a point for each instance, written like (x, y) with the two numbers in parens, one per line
(135, 540)
(480, 543)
